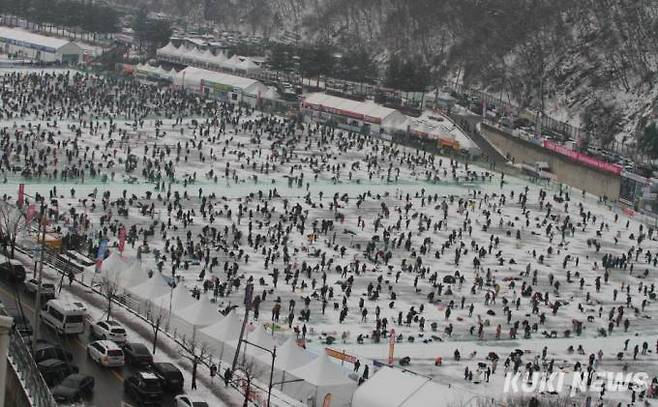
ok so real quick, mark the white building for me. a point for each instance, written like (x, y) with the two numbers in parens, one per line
(352, 115)
(38, 47)
(222, 86)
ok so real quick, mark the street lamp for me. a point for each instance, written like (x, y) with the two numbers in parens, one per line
(273, 353)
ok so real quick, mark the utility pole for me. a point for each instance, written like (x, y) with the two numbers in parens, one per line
(37, 308)
(248, 293)
(269, 388)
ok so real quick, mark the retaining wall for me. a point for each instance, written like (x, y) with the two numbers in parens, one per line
(568, 172)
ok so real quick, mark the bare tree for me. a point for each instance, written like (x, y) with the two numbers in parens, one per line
(250, 370)
(195, 353)
(109, 288)
(155, 316)
(12, 222)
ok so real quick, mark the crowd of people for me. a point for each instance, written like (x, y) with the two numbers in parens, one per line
(345, 237)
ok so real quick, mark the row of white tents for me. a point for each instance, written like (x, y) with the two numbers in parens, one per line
(310, 378)
(147, 70)
(196, 57)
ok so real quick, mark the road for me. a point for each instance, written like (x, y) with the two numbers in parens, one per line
(108, 391)
(472, 120)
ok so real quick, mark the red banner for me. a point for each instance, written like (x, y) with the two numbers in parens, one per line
(31, 212)
(583, 158)
(122, 239)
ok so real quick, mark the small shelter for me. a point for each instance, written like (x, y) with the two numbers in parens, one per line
(390, 387)
(226, 330)
(323, 380)
(142, 294)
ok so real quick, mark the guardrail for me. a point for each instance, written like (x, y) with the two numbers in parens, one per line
(28, 373)
(52, 258)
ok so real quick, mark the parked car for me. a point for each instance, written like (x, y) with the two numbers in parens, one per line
(189, 401)
(170, 376)
(12, 270)
(137, 354)
(55, 370)
(45, 350)
(22, 325)
(74, 387)
(111, 330)
(106, 353)
(144, 388)
(47, 289)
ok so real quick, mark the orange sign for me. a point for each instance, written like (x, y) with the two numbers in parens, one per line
(341, 355)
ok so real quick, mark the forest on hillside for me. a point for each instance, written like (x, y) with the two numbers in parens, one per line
(582, 59)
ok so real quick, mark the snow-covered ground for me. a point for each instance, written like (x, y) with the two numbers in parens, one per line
(393, 231)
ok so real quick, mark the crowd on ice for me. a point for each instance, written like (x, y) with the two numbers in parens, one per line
(344, 236)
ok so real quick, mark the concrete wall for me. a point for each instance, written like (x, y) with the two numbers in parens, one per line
(569, 172)
(15, 395)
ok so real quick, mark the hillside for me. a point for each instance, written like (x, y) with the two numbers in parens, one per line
(590, 62)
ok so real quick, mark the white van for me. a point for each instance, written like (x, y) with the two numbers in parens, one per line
(64, 317)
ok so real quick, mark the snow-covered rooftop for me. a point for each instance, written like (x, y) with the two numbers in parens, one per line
(31, 38)
(367, 108)
(192, 73)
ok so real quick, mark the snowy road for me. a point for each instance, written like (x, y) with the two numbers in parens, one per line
(108, 391)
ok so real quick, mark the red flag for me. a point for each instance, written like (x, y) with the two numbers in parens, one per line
(31, 212)
(122, 239)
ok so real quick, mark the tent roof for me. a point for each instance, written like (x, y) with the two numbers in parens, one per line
(134, 276)
(192, 73)
(181, 298)
(291, 356)
(31, 38)
(260, 337)
(168, 49)
(390, 387)
(201, 313)
(247, 65)
(226, 329)
(322, 372)
(367, 108)
(115, 264)
(152, 288)
(127, 271)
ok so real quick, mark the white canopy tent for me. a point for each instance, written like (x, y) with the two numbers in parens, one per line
(255, 334)
(198, 315)
(143, 293)
(247, 66)
(115, 265)
(177, 299)
(122, 271)
(323, 379)
(261, 338)
(289, 356)
(218, 334)
(168, 50)
(390, 387)
(133, 276)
